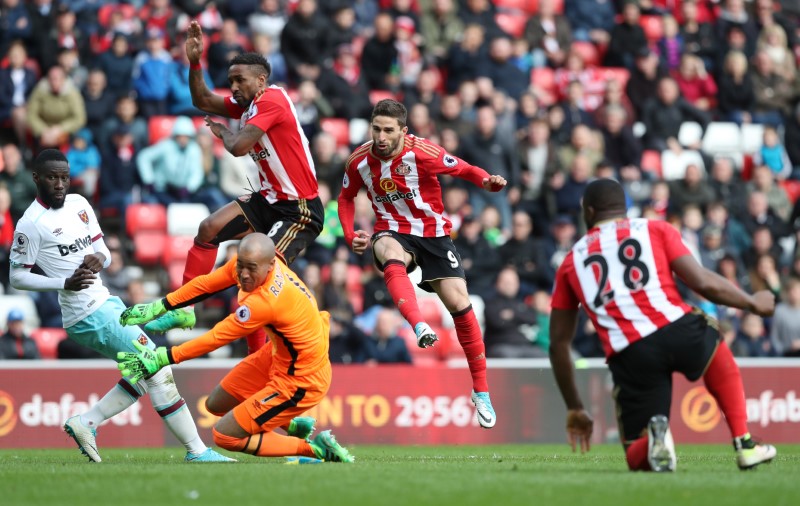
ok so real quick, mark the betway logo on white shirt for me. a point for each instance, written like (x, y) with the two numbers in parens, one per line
(57, 240)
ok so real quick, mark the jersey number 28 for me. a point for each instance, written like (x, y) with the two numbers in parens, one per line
(635, 276)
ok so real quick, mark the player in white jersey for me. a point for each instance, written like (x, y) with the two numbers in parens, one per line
(620, 272)
(60, 234)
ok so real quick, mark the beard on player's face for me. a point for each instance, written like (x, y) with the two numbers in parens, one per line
(53, 185)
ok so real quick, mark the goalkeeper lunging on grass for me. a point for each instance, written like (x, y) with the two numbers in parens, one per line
(269, 388)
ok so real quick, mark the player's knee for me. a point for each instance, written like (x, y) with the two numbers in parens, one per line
(226, 442)
(207, 230)
(163, 392)
(213, 407)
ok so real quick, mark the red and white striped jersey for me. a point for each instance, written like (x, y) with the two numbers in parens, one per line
(285, 167)
(404, 190)
(620, 273)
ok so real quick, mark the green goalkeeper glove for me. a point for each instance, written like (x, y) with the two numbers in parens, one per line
(142, 313)
(137, 366)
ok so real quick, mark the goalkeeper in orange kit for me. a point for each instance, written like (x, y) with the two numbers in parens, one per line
(269, 388)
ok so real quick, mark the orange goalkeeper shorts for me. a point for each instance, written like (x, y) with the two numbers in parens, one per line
(269, 400)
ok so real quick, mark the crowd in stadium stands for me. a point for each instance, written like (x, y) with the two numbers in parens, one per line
(691, 104)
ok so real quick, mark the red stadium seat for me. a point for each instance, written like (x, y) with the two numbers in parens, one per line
(653, 27)
(651, 162)
(176, 249)
(512, 24)
(527, 6)
(792, 188)
(544, 81)
(588, 51)
(175, 273)
(431, 311)
(47, 340)
(339, 128)
(425, 357)
(160, 127)
(104, 12)
(376, 96)
(356, 300)
(145, 217)
(617, 73)
(148, 247)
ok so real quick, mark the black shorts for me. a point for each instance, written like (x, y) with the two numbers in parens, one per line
(291, 224)
(436, 256)
(642, 372)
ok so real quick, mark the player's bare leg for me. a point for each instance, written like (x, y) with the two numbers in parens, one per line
(230, 435)
(394, 259)
(221, 402)
(453, 293)
(224, 224)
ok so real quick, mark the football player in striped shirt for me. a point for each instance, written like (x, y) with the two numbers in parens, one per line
(285, 205)
(621, 273)
(400, 173)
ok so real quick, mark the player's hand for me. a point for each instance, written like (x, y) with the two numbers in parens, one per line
(142, 313)
(137, 366)
(360, 241)
(579, 429)
(215, 127)
(93, 262)
(194, 42)
(81, 279)
(763, 303)
(494, 183)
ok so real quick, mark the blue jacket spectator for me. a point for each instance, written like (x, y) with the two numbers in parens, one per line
(118, 174)
(151, 70)
(84, 163)
(502, 71)
(180, 96)
(15, 23)
(386, 347)
(16, 82)
(586, 17)
(172, 169)
(118, 65)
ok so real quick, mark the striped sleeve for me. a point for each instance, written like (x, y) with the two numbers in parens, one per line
(564, 297)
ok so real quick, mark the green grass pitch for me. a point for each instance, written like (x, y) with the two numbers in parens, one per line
(398, 475)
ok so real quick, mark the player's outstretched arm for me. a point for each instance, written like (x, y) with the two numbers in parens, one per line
(719, 290)
(202, 97)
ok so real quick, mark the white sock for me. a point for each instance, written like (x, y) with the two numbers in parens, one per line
(181, 424)
(115, 401)
(172, 408)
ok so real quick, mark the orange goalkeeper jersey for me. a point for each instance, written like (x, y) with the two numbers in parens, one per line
(283, 304)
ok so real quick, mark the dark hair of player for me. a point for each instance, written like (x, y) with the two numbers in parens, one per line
(252, 59)
(604, 196)
(47, 156)
(392, 109)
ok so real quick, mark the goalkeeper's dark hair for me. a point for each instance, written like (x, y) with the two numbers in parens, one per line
(47, 156)
(604, 195)
(392, 109)
(254, 60)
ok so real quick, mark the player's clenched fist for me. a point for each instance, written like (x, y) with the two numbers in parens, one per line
(494, 183)
(360, 241)
(764, 303)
